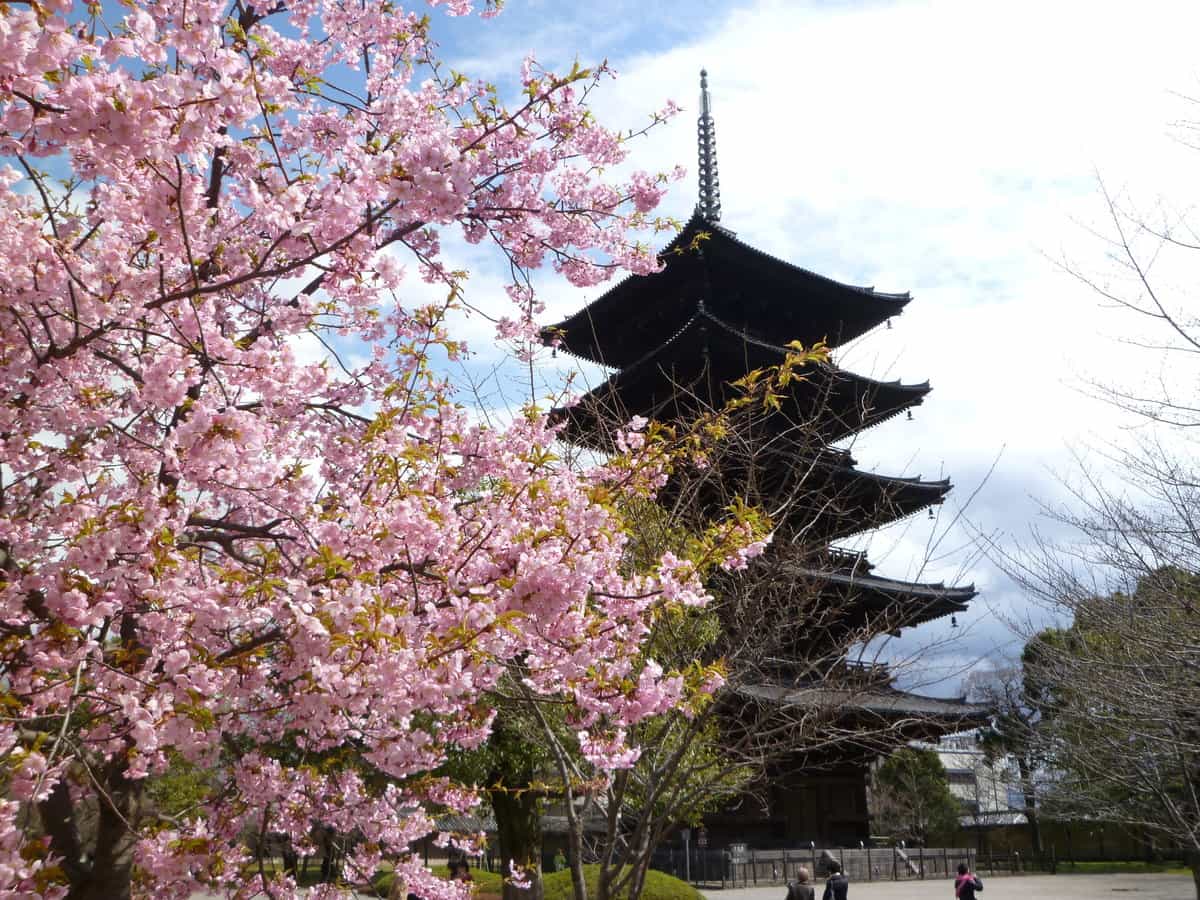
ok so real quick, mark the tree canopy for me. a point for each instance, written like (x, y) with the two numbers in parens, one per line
(911, 799)
(215, 551)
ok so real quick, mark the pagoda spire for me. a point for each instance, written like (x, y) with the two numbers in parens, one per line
(709, 204)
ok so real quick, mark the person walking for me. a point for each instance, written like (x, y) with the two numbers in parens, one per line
(966, 884)
(800, 889)
(460, 870)
(838, 885)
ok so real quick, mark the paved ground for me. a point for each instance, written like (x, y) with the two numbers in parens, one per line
(1021, 887)
(1001, 887)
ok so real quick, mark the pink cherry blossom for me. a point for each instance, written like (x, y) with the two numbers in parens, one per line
(217, 553)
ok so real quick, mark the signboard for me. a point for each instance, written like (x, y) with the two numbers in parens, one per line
(702, 839)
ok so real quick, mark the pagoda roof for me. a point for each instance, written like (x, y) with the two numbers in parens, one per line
(826, 497)
(946, 714)
(909, 602)
(708, 266)
(846, 501)
(694, 371)
(848, 598)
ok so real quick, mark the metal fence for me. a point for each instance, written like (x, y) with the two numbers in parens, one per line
(748, 867)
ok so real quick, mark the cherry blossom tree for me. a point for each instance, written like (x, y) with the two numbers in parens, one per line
(300, 575)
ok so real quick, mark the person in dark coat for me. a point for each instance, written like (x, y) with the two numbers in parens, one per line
(838, 885)
(800, 889)
(966, 884)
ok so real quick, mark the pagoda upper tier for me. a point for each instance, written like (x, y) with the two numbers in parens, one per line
(693, 371)
(707, 269)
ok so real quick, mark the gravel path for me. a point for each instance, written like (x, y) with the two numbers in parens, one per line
(1021, 887)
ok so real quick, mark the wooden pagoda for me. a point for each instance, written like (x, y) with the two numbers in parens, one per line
(677, 340)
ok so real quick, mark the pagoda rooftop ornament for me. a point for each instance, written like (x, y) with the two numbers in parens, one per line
(709, 204)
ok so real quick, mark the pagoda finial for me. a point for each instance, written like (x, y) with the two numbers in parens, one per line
(709, 204)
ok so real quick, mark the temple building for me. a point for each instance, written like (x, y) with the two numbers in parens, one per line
(677, 341)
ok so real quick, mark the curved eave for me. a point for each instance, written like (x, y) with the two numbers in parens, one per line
(830, 402)
(606, 330)
(950, 714)
(863, 501)
(909, 603)
(900, 396)
(815, 498)
(584, 334)
(890, 703)
(893, 587)
(889, 304)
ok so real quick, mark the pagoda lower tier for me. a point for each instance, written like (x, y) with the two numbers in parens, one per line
(820, 798)
(706, 265)
(818, 794)
(694, 373)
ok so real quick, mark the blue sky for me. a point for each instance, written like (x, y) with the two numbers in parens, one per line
(950, 148)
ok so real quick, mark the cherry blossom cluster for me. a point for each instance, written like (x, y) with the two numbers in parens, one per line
(302, 577)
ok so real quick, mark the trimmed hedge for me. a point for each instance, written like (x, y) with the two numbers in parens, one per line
(658, 886)
(486, 883)
(557, 885)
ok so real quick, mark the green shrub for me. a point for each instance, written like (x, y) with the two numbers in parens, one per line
(1113, 867)
(658, 886)
(485, 882)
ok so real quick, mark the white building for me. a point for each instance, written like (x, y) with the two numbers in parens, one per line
(987, 791)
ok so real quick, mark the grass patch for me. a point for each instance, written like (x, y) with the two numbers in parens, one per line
(274, 866)
(1108, 867)
(659, 886)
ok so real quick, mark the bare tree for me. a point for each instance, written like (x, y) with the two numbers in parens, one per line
(1121, 680)
(1018, 703)
(1122, 723)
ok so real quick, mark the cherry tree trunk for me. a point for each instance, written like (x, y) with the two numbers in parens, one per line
(518, 823)
(99, 866)
(1030, 797)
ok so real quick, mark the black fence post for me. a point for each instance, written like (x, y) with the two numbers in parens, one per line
(921, 861)
(754, 868)
(868, 864)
